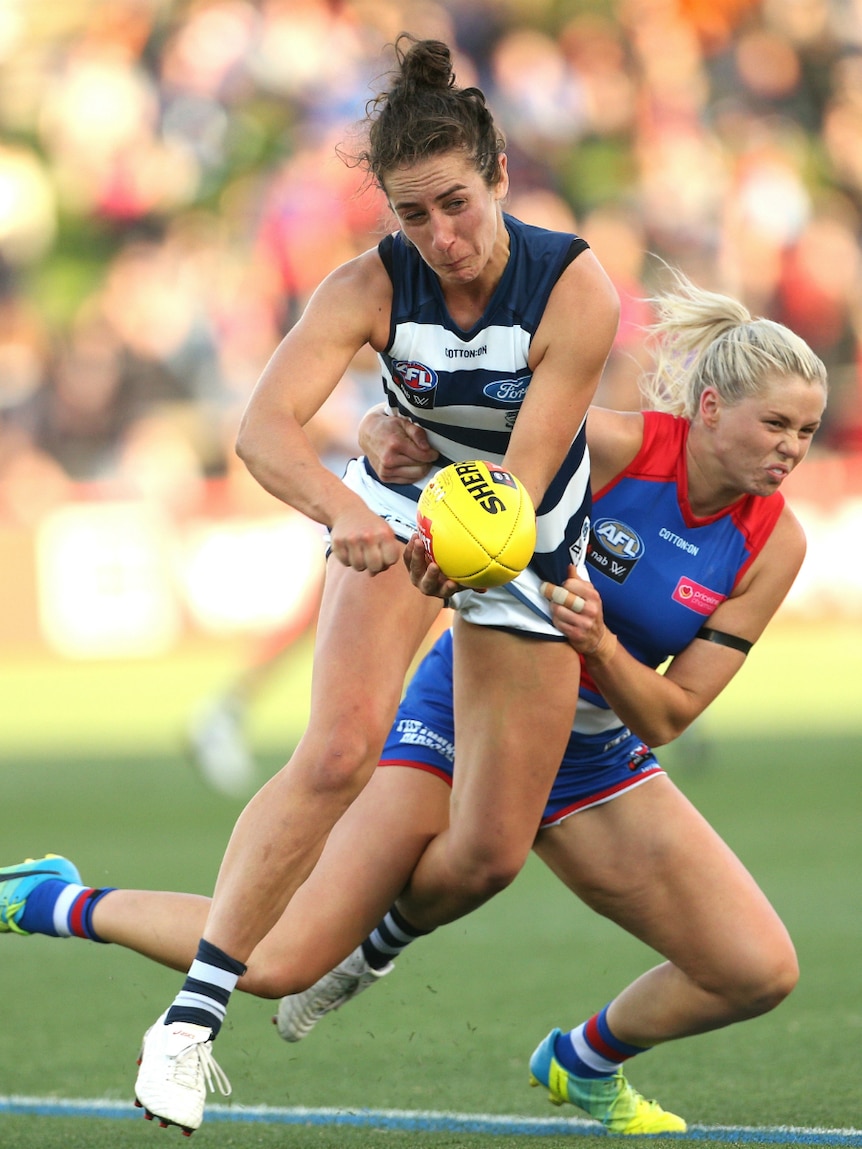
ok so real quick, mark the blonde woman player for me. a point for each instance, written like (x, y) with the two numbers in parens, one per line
(692, 551)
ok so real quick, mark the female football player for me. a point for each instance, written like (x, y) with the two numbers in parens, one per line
(458, 300)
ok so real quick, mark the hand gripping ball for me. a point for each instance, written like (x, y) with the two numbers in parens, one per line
(477, 523)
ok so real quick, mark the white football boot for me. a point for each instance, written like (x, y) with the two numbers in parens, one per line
(177, 1068)
(299, 1013)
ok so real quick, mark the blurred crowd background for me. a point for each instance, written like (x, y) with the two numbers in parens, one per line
(171, 193)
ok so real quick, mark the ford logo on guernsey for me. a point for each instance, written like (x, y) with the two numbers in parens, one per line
(507, 390)
(415, 376)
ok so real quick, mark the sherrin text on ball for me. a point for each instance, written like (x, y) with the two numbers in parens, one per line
(477, 523)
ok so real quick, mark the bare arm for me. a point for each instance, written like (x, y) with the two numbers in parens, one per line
(567, 356)
(348, 310)
(656, 706)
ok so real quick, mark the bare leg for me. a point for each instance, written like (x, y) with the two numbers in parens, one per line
(365, 864)
(651, 863)
(368, 632)
(514, 705)
(159, 925)
(366, 861)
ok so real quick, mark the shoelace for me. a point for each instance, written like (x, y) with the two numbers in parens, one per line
(7, 919)
(214, 1075)
(199, 1058)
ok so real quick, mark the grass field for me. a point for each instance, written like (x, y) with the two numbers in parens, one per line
(93, 767)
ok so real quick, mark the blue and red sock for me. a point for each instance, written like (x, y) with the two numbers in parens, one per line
(62, 910)
(592, 1050)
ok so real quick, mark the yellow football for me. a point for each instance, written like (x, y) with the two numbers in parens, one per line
(477, 523)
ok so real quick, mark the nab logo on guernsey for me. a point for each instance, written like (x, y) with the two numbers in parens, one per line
(614, 549)
(418, 382)
(510, 391)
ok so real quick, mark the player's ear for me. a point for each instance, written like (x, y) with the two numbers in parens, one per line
(502, 186)
(710, 406)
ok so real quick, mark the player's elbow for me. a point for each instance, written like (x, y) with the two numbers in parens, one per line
(664, 733)
(244, 445)
(662, 727)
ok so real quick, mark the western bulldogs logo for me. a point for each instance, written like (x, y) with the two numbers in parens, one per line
(614, 549)
(418, 382)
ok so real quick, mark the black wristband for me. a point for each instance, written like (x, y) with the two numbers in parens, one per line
(724, 639)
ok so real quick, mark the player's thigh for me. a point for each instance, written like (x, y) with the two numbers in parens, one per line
(514, 705)
(368, 632)
(652, 863)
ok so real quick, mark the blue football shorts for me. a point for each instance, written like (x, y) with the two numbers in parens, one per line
(596, 767)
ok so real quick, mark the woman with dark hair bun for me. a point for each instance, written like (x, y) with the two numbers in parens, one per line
(491, 337)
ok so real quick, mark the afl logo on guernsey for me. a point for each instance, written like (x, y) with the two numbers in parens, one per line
(418, 382)
(614, 549)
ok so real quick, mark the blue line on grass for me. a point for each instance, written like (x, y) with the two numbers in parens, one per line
(429, 1121)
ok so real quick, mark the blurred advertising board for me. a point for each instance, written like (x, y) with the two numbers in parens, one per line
(124, 580)
(114, 578)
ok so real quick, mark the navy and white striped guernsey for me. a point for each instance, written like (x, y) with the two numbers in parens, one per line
(465, 388)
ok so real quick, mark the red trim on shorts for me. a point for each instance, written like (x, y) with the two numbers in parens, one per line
(602, 796)
(412, 764)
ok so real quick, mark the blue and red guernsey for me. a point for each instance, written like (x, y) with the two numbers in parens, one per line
(682, 565)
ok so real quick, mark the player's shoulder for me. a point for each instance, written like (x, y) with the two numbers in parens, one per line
(607, 426)
(584, 302)
(357, 293)
(778, 560)
(614, 439)
(365, 272)
(788, 535)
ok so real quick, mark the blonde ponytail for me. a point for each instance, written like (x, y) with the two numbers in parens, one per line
(704, 339)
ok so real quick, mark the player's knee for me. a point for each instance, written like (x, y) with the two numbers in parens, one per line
(274, 978)
(764, 982)
(485, 874)
(778, 979)
(343, 760)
